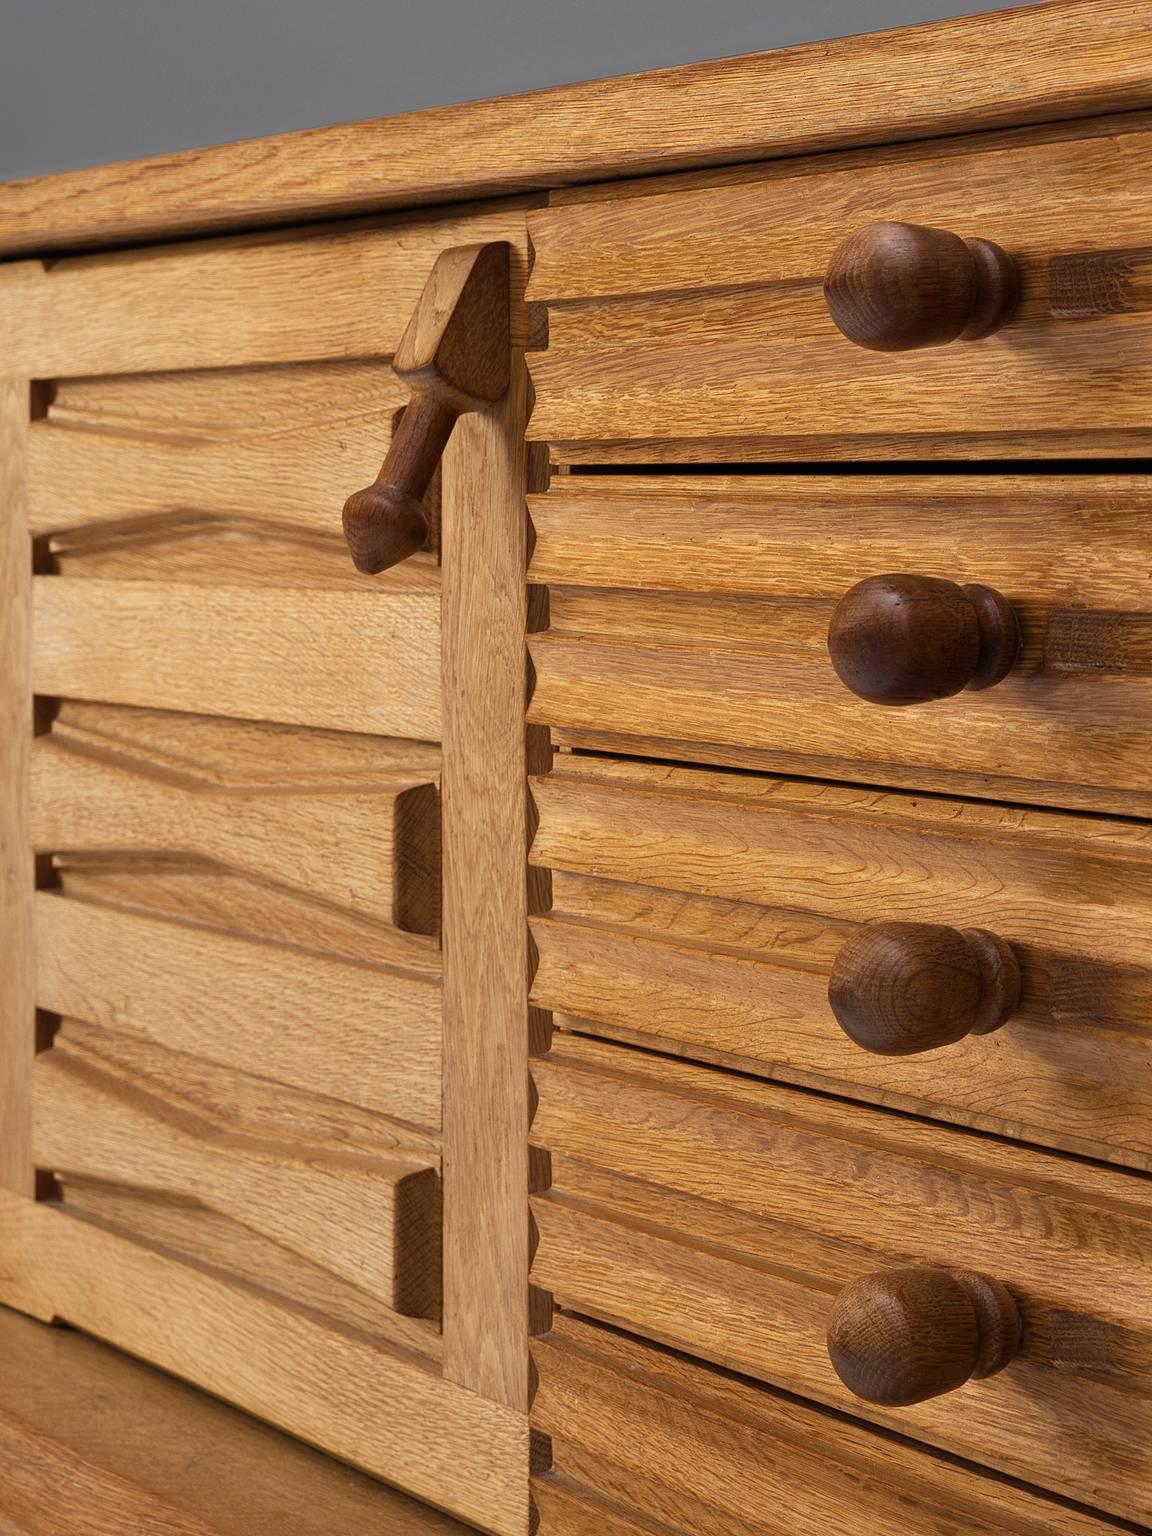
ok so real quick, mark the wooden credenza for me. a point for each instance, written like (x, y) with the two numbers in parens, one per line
(628, 1008)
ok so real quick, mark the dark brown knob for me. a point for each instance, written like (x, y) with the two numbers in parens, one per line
(901, 1336)
(899, 988)
(893, 287)
(908, 639)
(455, 357)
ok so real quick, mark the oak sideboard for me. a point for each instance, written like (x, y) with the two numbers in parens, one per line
(576, 809)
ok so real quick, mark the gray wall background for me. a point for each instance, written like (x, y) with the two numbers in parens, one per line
(86, 81)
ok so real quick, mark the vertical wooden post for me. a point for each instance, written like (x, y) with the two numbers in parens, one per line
(17, 875)
(485, 922)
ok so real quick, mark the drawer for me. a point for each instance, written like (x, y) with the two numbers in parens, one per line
(223, 1007)
(644, 1440)
(687, 318)
(707, 913)
(725, 1217)
(690, 619)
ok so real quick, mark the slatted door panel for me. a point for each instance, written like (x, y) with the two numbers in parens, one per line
(225, 825)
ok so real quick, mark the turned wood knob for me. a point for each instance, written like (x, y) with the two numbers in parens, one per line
(899, 988)
(894, 287)
(908, 639)
(455, 357)
(901, 1336)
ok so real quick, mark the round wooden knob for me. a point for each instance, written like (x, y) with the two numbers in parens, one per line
(908, 639)
(901, 1336)
(899, 988)
(894, 287)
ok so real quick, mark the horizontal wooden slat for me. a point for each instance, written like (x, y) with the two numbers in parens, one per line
(371, 1217)
(361, 1033)
(93, 1442)
(377, 1409)
(350, 820)
(645, 1441)
(719, 903)
(721, 1217)
(698, 313)
(341, 292)
(1047, 61)
(667, 598)
(338, 660)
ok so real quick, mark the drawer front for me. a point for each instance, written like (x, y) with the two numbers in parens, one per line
(723, 1217)
(687, 318)
(643, 1440)
(224, 841)
(707, 913)
(690, 619)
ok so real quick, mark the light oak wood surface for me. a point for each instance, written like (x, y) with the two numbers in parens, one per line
(381, 1409)
(17, 973)
(647, 1441)
(486, 960)
(1064, 59)
(351, 821)
(94, 1442)
(700, 314)
(704, 913)
(721, 1216)
(696, 610)
(339, 292)
(236, 1110)
(369, 1215)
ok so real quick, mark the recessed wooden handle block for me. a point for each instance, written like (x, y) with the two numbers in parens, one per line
(909, 639)
(900, 988)
(901, 1336)
(894, 287)
(455, 357)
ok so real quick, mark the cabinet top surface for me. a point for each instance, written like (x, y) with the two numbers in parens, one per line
(1056, 59)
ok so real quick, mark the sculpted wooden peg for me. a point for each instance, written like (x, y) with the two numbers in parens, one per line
(908, 639)
(900, 988)
(455, 357)
(894, 287)
(901, 1336)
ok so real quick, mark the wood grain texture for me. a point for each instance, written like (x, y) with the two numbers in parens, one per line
(379, 1409)
(156, 473)
(350, 821)
(360, 1033)
(646, 1441)
(892, 287)
(17, 871)
(670, 594)
(371, 1216)
(703, 913)
(289, 655)
(485, 901)
(720, 1216)
(699, 313)
(93, 1441)
(345, 291)
(1064, 59)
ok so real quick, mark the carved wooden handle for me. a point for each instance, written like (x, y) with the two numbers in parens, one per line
(901, 1336)
(899, 988)
(908, 639)
(455, 357)
(894, 287)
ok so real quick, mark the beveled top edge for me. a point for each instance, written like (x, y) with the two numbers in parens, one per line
(1039, 62)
